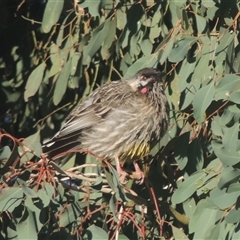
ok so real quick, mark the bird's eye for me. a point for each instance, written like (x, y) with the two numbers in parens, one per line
(143, 77)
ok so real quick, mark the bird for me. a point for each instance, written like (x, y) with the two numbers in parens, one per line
(121, 120)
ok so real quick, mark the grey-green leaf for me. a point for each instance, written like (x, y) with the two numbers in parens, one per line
(179, 234)
(61, 84)
(94, 232)
(34, 81)
(181, 48)
(51, 14)
(201, 23)
(202, 100)
(187, 188)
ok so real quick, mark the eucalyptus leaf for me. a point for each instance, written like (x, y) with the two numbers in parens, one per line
(10, 198)
(178, 234)
(180, 49)
(95, 232)
(201, 23)
(228, 176)
(51, 14)
(228, 83)
(233, 216)
(27, 229)
(201, 102)
(61, 84)
(187, 188)
(34, 81)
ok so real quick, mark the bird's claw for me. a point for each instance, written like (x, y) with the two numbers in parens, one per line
(139, 177)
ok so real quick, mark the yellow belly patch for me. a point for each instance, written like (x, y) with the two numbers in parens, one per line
(137, 152)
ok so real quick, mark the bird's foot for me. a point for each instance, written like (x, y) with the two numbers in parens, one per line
(123, 176)
(138, 174)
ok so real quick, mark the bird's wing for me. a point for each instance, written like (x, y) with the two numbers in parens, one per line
(94, 109)
(89, 113)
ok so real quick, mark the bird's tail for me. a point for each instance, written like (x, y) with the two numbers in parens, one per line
(57, 147)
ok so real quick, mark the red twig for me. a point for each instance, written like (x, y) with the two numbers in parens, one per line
(152, 193)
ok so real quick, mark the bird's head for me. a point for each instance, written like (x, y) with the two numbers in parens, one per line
(144, 79)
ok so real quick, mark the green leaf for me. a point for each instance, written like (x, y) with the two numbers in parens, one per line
(234, 109)
(45, 198)
(235, 187)
(230, 138)
(32, 147)
(146, 47)
(207, 219)
(178, 233)
(228, 176)
(55, 59)
(148, 61)
(204, 59)
(222, 199)
(187, 188)
(227, 156)
(51, 14)
(62, 32)
(208, 3)
(5, 153)
(233, 216)
(69, 215)
(10, 198)
(61, 84)
(201, 101)
(226, 117)
(216, 126)
(230, 57)
(156, 17)
(175, 7)
(235, 97)
(208, 183)
(225, 41)
(185, 72)
(228, 83)
(12, 158)
(189, 207)
(154, 33)
(166, 51)
(236, 233)
(202, 204)
(29, 192)
(186, 97)
(34, 81)
(27, 229)
(112, 206)
(216, 231)
(98, 36)
(110, 26)
(181, 48)
(134, 42)
(94, 233)
(211, 12)
(121, 19)
(201, 23)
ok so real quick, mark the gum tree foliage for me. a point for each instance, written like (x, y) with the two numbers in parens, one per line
(54, 53)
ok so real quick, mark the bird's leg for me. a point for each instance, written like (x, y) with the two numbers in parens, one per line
(138, 172)
(122, 174)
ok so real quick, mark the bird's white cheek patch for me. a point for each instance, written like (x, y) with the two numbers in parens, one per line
(144, 90)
